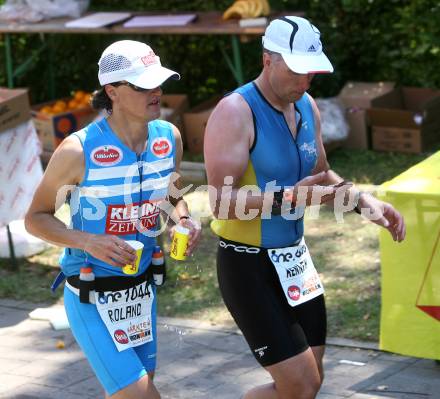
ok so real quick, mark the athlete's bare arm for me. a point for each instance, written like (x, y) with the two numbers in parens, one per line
(64, 171)
(229, 136)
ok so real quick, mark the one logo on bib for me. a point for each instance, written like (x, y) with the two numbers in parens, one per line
(277, 258)
(287, 256)
(294, 292)
(161, 147)
(121, 337)
(106, 155)
(111, 296)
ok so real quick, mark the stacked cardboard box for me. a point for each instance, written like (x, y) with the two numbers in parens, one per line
(406, 119)
(54, 128)
(356, 98)
(195, 121)
(172, 108)
(14, 107)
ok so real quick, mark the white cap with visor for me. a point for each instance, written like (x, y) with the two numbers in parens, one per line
(298, 42)
(134, 62)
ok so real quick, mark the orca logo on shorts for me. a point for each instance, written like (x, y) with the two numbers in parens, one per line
(294, 292)
(121, 337)
(240, 248)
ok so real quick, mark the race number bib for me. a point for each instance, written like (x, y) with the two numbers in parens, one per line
(297, 274)
(127, 315)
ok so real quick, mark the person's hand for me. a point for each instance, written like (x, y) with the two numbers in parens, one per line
(110, 249)
(383, 214)
(312, 190)
(195, 231)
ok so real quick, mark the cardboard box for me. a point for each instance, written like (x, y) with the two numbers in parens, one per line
(396, 139)
(407, 119)
(172, 108)
(54, 128)
(356, 97)
(195, 123)
(14, 107)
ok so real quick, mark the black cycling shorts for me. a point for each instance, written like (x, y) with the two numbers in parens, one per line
(252, 292)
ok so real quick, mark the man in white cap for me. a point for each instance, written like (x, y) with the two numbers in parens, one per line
(117, 171)
(265, 157)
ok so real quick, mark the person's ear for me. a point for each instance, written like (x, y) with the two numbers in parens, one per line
(266, 60)
(111, 92)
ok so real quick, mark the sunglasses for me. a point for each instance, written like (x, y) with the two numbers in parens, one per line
(132, 86)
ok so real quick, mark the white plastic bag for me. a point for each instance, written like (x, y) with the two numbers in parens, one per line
(59, 8)
(20, 170)
(38, 10)
(25, 244)
(334, 127)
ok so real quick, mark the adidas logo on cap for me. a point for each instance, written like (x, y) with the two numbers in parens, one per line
(312, 48)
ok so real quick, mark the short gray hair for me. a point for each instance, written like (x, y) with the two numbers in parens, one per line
(272, 53)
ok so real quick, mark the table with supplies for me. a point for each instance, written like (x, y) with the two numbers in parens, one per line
(204, 23)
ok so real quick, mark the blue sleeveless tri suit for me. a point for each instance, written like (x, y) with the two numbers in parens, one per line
(274, 156)
(248, 282)
(118, 196)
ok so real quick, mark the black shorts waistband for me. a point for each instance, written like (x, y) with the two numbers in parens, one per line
(113, 283)
(246, 248)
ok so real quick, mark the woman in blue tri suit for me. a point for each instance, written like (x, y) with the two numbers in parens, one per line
(118, 173)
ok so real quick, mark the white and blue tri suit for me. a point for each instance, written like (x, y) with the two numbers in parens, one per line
(119, 195)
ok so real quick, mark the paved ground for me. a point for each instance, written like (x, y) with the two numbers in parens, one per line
(195, 361)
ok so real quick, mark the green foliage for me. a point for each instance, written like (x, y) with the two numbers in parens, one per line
(371, 167)
(369, 40)
(31, 280)
(376, 40)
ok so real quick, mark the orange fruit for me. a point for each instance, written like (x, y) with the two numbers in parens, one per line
(60, 104)
(79, 95)
(60, 344)
(47, 109)
(73, 104)
(58, 109)
(87, 99)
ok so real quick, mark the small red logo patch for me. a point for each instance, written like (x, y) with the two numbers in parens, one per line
(107, 155)
(121, 337)
(149, 59)
(161, 147)
(294, 292)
